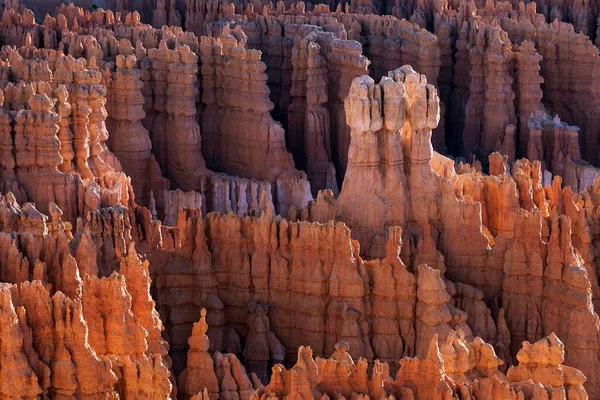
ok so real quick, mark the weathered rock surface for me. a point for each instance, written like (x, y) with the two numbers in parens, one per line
(456, 367)
(241, 138)
(129, 256)
(128, 138)
(67, 339)
(390, 151)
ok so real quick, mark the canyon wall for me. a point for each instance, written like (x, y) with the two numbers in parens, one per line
(207, 199)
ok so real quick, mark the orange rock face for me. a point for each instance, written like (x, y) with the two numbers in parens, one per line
(209, 199)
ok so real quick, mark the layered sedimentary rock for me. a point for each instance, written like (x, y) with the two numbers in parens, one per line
(515, 228)
(37, 158)
(308, 116)
(17, 23)
(489, 109)
(225, 104)
(426, 277)
(69, 109)
(225, 145)
(404, 38)
(554, 379)
(390, 151)
(129, 139)
(170, 103)
(200, 373)
(52, 311)
(165, 14)
(350, 300)
(456, 367)
(544, 138)
(285, 42)
(262, 346)
(221, 375)
(178, 154)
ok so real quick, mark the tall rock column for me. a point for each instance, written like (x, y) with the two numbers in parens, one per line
(17, 377)
(185, 162)
(392, 125)
(433, 313)
(254, 148)
(7, 158)
(65, 134)
(567, 303)
(117, 333)
(175, 132)
(195, 15)
(157, 70)
(37, 156)
(90, 81)
(241, 136)
(308, 129)
(295, 129)
(200, 374)
(422, 116)
(165, 14)
(129, 140)
(489, 108)
(344, 63)
(460, 93)
(498, 111)
(262, 346)
(99, 168)
(394, 298)
(220, 376)
(529, 93)
(37, 126)
(80, 116)
(317, 140)
(368, 107)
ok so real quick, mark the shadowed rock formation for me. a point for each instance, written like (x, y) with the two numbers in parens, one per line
(209, 199)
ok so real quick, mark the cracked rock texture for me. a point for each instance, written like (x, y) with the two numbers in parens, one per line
(206, 199)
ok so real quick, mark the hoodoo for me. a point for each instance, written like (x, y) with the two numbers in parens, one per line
(364, 199)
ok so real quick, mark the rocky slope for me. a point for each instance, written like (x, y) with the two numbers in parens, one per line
(245, 200)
